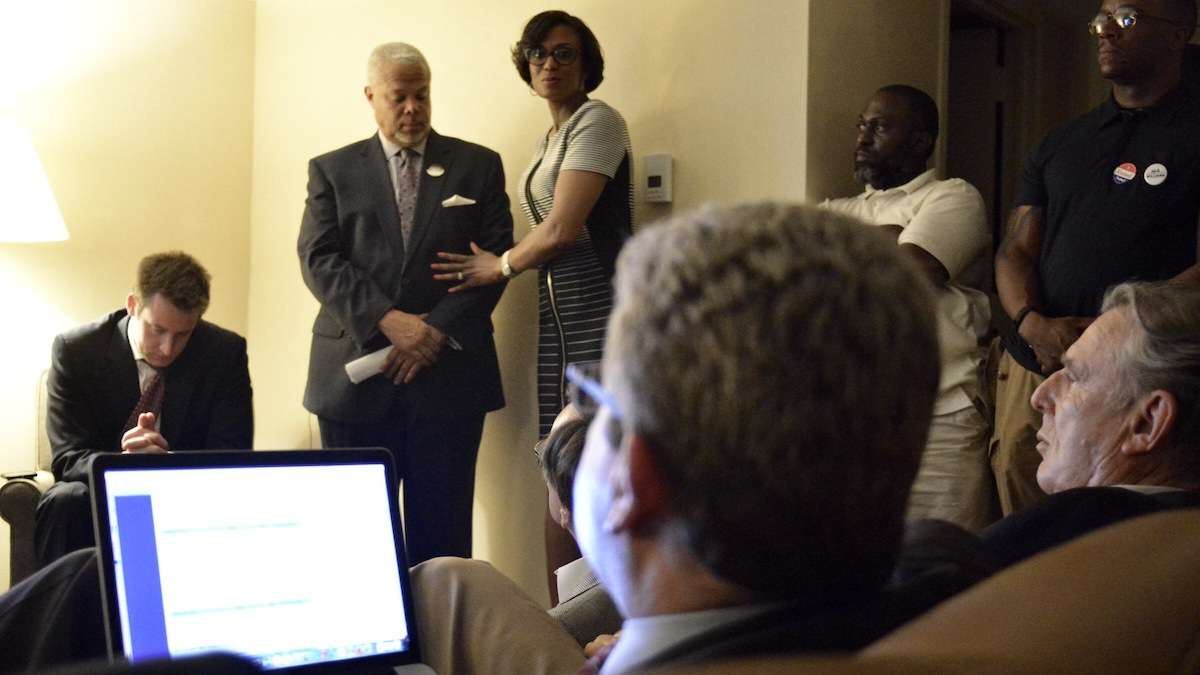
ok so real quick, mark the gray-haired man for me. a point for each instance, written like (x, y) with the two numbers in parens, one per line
(1120, 433)
(377, 212)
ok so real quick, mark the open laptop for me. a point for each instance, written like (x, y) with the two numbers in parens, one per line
(294, 559)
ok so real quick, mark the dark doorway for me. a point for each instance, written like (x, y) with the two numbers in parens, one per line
(982, 115)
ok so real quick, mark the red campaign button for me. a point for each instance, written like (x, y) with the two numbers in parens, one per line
(1124, 173)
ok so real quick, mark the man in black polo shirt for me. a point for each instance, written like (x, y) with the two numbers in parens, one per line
(1111, 197)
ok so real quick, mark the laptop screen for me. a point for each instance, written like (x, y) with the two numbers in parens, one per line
(289, 558)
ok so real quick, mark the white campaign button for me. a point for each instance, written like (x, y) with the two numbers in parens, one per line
(1155, 174)
(435, 170)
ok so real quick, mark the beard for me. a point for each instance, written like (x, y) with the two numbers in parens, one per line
(879, 174)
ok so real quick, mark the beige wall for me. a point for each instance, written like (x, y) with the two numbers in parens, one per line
(717, 84)
(141, 112)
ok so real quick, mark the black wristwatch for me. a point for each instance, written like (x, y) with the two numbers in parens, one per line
(1021, 317)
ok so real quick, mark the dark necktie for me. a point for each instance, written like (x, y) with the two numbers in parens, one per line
(407, 181)
(150, 401)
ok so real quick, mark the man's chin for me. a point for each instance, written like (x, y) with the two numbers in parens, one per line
(865, 174)
(408, 140)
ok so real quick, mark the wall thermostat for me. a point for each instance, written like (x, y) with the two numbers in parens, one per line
(658, 177)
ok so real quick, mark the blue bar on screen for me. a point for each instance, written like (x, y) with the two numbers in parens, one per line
(143, 587)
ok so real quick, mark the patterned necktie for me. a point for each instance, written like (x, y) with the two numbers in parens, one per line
(407, 180)
(150, 401)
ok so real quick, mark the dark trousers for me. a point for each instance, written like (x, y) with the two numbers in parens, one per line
(63, 521)
(53, 617)
(435, 460)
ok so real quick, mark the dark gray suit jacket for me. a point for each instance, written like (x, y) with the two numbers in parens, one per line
(93, 386)
(353, 259)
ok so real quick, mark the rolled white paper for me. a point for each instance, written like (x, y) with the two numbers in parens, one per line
(368, 366)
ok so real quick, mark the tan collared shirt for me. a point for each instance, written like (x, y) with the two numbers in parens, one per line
(947, 219)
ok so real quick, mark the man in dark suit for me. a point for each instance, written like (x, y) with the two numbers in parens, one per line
(151, 377)
(1120, 434)
(377, 212)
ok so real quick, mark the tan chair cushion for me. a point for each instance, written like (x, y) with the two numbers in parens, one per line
(1124, 599)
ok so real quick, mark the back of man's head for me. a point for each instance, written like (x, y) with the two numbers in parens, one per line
(1162, 352)
(559, 456)
(782, 361)
(176, 277)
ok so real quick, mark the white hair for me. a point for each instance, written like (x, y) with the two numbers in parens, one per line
(1162, 351)
(393, 53)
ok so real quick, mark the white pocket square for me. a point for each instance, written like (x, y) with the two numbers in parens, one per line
(457, 200)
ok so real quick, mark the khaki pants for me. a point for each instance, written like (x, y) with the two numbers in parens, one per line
(1013, 449)
(953, 482)
(471, 619)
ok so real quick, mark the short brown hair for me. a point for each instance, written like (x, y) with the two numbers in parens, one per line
(589, 47)
(560, 457)
(176, 276)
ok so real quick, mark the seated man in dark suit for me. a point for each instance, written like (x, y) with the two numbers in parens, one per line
(150, 377)
(768, 382)
(1120, 433)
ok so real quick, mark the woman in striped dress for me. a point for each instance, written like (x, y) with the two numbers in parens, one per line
(578, 195)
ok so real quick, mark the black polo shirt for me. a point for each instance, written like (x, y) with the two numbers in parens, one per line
(1121, 189)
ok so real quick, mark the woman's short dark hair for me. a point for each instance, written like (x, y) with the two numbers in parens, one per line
(540, 26)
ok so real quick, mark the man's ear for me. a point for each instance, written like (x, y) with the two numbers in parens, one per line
(639, 491)
(920, 144)
(368, 93)
(1152, 423)
(131, 304)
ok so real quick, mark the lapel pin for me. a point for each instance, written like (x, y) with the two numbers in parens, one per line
(1124, 173)
(435, 170)
(1155, 174)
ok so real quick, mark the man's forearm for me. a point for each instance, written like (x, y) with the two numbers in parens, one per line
(1017, 281)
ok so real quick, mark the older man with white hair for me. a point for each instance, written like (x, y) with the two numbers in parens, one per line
(1120, 432)
(377, 213)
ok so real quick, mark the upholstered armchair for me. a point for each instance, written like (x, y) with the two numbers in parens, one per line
(22, 488)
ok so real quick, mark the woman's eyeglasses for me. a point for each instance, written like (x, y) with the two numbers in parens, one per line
(564, 55)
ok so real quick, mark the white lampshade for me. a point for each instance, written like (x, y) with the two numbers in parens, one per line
(30, 213)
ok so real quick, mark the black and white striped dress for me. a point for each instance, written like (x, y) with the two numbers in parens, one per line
(574, 289)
